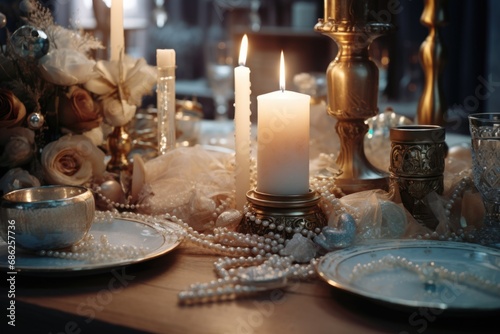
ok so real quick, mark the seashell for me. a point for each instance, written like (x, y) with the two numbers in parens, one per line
(138, 177)
(332, 238)
(229, 218)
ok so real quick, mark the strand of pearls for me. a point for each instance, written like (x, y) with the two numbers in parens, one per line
(277, 231)
(459, 234)
(330, 197)
(242, 276)
(429, 274)
(94, 251)
(251, 264)
(234, 244)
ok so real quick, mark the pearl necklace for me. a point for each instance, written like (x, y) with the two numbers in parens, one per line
(254, 263)
(429, 274)
(243, 276)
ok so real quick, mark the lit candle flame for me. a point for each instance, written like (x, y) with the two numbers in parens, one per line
(243, 51)
(282, 72)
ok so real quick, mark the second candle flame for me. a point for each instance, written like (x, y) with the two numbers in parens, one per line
(243, 51)
(282, 72)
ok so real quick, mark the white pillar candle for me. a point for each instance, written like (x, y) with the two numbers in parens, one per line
(117, 35)
(242, 125)
(283, 141)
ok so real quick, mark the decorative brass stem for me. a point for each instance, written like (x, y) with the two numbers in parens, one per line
(432, 105)
(119, 145)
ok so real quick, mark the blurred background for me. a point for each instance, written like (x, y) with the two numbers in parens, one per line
(192, 27)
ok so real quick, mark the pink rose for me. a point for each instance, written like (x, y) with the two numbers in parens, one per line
(12, 110)
(78, 112)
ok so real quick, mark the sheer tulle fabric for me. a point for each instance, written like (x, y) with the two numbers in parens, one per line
(197, 184)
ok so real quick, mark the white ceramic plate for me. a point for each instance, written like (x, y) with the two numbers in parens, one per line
(153, 240)
(399, 286)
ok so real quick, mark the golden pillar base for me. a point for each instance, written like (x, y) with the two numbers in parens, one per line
(281, 214)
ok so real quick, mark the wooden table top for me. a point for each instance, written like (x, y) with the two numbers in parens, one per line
(143, 298)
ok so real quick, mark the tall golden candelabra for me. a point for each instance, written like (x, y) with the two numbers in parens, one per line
(432, 105)
(353, 85)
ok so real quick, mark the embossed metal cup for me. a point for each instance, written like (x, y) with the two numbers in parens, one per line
(48, 217)
(417, 165)
(485, 136)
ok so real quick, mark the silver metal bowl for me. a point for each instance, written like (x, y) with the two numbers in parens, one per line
(47, 217)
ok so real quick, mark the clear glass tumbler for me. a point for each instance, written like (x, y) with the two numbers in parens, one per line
(485, 136)
(219, 71)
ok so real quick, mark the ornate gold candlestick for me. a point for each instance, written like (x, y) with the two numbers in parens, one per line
(119, 145)
(432, 104)
(353, 86)
(282, 214)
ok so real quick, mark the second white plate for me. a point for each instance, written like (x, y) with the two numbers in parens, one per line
(355, 270)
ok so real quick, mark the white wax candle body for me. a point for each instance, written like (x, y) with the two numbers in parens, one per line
(117, 34)
(283, 143)
(165, 90)
(242, 128)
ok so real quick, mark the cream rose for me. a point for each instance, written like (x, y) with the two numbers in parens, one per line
(17, 146)
(66, 67)
(17, 178)
(12, 110)
(78, 112)
(72, 160)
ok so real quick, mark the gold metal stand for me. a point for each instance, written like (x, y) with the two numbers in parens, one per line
(353, 87)
(119, 145)
(432, 105)
(280, 214)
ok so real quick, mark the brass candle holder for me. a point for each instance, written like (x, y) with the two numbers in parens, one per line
(353, 86)
(282, 214)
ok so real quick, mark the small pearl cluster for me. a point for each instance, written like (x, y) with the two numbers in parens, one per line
(428, 273)
(242, 276)
(117, 205)
(457, 194)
